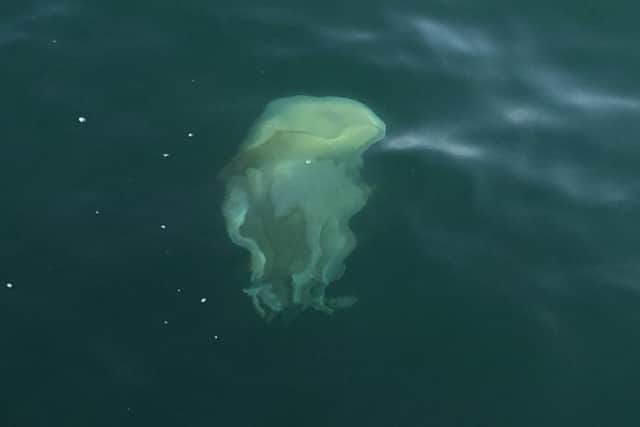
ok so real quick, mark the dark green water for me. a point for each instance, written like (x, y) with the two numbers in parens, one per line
(498, 259)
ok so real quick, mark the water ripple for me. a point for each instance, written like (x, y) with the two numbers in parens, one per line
(448, 38)
(567, 90)
(21, 27)
(432, 140)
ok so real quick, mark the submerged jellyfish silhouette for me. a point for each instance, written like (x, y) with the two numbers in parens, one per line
(291, 190)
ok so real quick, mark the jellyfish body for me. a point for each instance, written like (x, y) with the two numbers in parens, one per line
(290, 192)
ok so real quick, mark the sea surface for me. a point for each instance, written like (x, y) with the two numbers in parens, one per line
(498, 258)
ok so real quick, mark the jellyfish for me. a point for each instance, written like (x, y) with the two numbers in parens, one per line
(290, 193)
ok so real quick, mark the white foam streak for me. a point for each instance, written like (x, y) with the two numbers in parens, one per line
(567, 90)
(445, 37)
(432, 141)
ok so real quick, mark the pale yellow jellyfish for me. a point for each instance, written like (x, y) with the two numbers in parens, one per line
(290, 193)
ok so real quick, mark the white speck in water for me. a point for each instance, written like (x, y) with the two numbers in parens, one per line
(162, 226)
(216, 337)
(307, 162)
(179, 290)
(165, 155)
(97, 212)
(203, 300)
(165, 322)
(9, 285)
(193, 80)
(82, 119)
(190, 134)
(54, 41)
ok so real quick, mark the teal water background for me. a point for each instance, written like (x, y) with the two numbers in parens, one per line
(498, 258)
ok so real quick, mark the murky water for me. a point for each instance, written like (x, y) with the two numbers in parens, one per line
(497, 265)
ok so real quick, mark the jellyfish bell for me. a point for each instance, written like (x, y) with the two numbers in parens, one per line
(291, 190)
